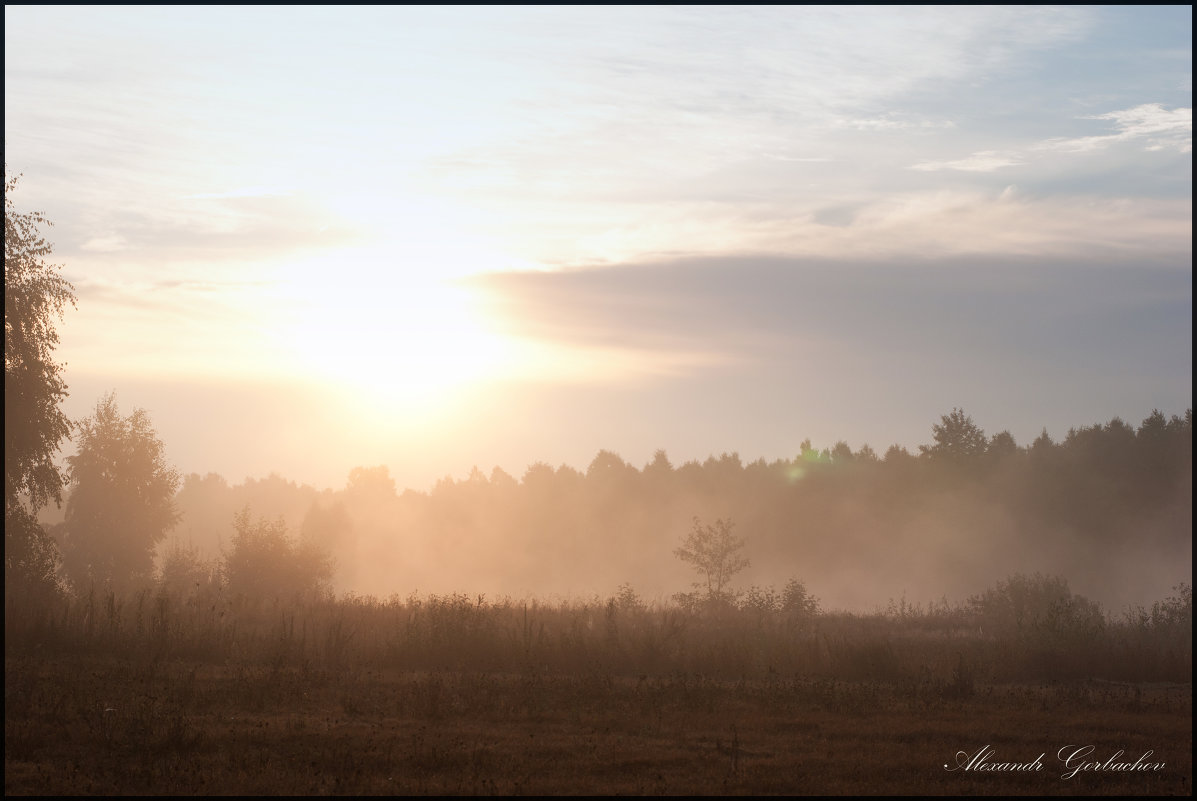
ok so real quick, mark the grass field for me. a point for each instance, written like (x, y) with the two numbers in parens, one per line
(460, 696)
(105, 725)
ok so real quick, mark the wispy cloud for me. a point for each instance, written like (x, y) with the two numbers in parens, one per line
(170, 299)
(825, 83)
(109, 243)
(1155, 126)
(798, 159)
(240, 225)
(982, 161)
(894, 122)
(911, 224)
(1161, 129)
(246, 191)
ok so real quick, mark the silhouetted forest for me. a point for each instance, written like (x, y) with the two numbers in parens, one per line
(1109, 506)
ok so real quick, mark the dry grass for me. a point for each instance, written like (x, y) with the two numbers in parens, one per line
(458, 695)
(105, 725)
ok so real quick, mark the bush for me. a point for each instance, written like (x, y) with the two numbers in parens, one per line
(628, 600)
(1175, 611)
(797, 602)
(1022, 606)
(761, 600)
(266, 563)
(185, 574)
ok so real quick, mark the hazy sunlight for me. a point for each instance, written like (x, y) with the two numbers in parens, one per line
(401, 347)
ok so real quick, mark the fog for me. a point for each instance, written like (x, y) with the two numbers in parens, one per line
(1108, 508)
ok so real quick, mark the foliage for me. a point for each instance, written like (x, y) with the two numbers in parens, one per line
(628, 600)
(1171, 617)
(958, 440)
(265, 562)
(793, 604)
(34, 425)
(373, 482)
(1002, 446)
(326, 525)
(1175, 611)
(185, 574)
(122, 499)
(31, 558)
(715, 553)
(795, 600)
(761, 600)
(1034, 606)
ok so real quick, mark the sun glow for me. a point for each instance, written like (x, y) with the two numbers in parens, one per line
(398, 345)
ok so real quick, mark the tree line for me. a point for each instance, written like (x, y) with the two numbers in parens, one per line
(1102, 491)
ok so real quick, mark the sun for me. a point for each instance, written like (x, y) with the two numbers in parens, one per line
(411, 348)
(396, 345)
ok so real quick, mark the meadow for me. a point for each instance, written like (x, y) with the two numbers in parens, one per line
(155, 693)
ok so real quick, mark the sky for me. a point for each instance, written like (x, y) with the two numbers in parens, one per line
(307, 239)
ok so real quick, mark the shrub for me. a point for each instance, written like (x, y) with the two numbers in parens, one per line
(185, 574)
(1023, 605)
(797, 602)
(266, 563)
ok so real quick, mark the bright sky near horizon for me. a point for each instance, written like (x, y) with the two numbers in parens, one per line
(307, 238)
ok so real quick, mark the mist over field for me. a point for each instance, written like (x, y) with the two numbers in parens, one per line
(1100, 509)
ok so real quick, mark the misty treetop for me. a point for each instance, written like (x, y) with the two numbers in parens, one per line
(265, 562)
(122, 498)
(968, 509)
(959, 440)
